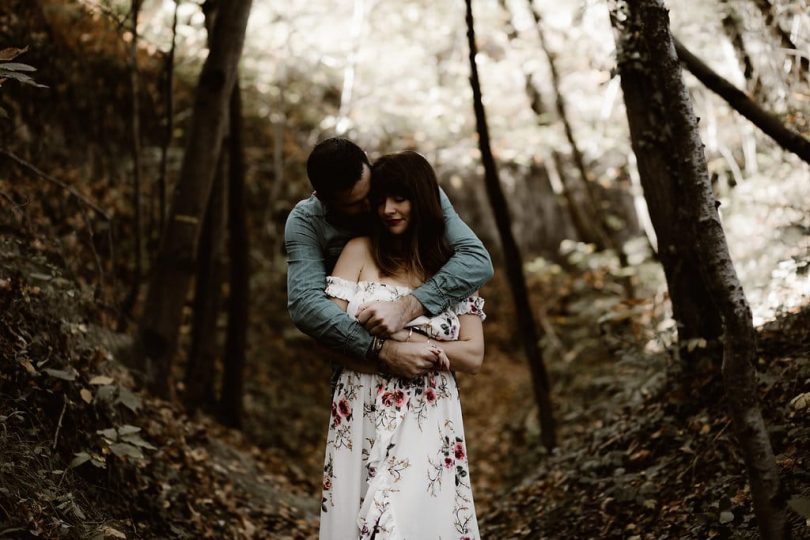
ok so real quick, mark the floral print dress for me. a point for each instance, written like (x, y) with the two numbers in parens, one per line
(396, 458)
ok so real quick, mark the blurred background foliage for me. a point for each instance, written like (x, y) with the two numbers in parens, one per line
(393, 75)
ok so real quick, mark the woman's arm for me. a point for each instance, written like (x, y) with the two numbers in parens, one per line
(466, 354)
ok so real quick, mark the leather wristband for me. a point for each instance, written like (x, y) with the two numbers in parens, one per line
(374, 354)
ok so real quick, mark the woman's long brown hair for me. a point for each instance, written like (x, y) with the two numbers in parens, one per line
(422, 248)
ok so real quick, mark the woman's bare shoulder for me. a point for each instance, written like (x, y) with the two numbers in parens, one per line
(353, 259)
(359, 245)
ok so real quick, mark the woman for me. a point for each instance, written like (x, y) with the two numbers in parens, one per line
(396, 459)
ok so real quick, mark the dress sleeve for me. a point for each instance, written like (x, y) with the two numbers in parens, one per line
(472, 305)
(337, 287)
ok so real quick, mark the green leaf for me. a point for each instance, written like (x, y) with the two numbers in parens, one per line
(61, 374)
(129, 400)
(109, 433)
(137, 441)
(726, 517)
(14, 66)
(800, 505)
(125, 449)
(127, 429)
(81, 457)
(23, 78)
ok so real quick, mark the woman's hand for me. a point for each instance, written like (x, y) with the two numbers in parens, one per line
(409, 360)
(443, 363)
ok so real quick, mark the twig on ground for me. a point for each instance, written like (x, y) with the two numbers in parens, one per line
(14, 205)
(45, 176)
(59, 425)
(100, 289)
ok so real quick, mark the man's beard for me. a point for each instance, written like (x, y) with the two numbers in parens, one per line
(358, 224)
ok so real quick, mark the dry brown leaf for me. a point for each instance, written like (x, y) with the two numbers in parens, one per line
(29, 367)
(101, 380)
(86, 395)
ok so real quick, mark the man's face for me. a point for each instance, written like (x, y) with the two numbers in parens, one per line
(352, 203)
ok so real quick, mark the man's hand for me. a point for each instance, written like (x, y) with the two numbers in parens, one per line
(409, 360)
(386, 318)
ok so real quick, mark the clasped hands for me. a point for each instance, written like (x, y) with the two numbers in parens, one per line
(406, 354)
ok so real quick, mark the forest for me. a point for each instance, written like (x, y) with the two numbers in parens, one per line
(638, 171)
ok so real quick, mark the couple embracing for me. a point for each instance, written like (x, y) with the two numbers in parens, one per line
(382, 270)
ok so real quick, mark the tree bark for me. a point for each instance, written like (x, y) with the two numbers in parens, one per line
(169, 132)
(239, 250)
(358, 20)
(204, 347)
(647, 56)
(785, 137)
(527, 328)
(697, 319)
(135, 148)
(168, 288)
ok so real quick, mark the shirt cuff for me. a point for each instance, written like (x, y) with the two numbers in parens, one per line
(358, 342)
(432, 298)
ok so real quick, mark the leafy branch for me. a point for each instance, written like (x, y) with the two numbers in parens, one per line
(15, 71)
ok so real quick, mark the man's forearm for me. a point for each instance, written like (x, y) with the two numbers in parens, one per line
(411, 307)
(323, 320)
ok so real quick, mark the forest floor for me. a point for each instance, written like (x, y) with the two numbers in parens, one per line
(646, 449)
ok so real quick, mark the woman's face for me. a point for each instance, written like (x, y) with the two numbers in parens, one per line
(395, 213)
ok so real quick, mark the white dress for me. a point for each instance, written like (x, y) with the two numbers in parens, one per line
(396, 459)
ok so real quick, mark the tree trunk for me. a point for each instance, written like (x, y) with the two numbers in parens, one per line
(698, 321)
(579, 217)
(137, 272)
(169, 132)
(168, 288)
(785, 137)
(204, 347)
(358, 20)
(527, 328)
(644, 33)
(239, 250)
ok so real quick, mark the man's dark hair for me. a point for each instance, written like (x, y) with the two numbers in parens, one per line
(335, 165)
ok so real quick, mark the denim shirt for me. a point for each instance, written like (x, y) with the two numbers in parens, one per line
(313, 245)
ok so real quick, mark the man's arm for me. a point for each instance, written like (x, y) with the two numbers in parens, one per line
(466, 271)
(310, 309)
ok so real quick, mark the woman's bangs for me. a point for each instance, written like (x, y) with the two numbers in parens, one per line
(389, 185)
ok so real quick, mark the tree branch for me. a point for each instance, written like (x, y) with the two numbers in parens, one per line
(771, 125)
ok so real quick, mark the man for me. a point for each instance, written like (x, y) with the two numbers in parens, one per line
(315, 233)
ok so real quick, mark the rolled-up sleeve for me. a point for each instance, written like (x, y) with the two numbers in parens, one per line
(310, 309)
(464, 273)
